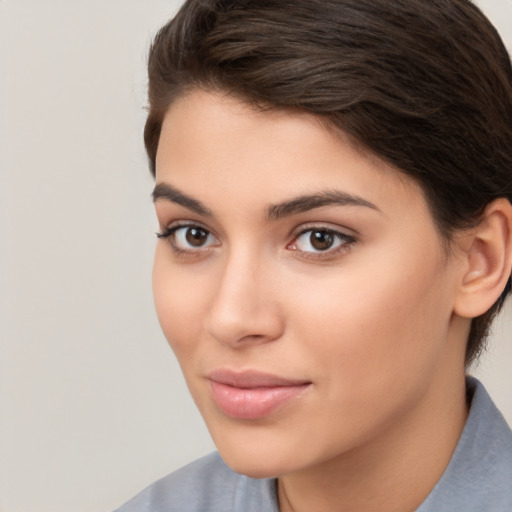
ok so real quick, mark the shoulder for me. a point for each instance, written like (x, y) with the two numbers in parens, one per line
(206, 485)
(479, 475)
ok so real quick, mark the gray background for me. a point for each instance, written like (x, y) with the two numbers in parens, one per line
(92, 403)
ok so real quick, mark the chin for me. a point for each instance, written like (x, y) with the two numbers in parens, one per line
(260, 458)
(260, 467)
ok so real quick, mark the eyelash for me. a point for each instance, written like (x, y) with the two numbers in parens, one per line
(169, 234)
(345, 241)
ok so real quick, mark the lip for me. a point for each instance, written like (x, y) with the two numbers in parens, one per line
(252, 394)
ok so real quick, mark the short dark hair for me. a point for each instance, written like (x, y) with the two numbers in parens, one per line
(424, 85)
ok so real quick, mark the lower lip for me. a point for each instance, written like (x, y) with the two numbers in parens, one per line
(253, 403)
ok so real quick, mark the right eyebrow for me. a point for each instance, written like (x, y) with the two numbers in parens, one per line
(169, 193)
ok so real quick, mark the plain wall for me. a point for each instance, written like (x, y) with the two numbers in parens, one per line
(92, 404)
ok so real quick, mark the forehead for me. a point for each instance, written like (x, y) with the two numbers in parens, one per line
(220, 147)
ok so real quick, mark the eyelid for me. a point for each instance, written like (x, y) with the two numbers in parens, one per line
(324, 226)
(340, 233)
(346, 236)
(168, 232)
(175, 225)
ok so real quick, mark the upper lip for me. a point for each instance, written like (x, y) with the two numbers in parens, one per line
(252, 379)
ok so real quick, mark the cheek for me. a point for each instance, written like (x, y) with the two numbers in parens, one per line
(178, 304)
(380, 321)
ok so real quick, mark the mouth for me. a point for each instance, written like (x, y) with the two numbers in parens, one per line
(252, 395)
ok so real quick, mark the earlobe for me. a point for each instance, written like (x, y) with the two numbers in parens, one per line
(488, 258)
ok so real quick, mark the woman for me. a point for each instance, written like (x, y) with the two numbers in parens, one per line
(333, 186)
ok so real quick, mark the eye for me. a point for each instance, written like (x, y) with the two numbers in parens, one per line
(188, 238)
(321, 241)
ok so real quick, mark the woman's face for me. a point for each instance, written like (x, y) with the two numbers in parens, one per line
(302, 285)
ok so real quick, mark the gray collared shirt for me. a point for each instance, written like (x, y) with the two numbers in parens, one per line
(477, 479)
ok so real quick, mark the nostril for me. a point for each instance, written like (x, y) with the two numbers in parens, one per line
(241, 328)
(242, 310)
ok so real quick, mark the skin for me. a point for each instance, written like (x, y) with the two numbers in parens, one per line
(369, 323)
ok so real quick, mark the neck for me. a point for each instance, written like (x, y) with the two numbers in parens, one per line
(394, 472)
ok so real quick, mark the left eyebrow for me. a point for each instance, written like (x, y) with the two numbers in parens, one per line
(305, 203)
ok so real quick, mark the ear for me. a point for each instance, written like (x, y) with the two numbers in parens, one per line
(488, 259)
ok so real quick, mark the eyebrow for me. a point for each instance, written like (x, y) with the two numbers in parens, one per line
(305, 203)
(277, 211)
(169, 193)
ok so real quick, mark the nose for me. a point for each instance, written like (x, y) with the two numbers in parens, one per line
(245, 308)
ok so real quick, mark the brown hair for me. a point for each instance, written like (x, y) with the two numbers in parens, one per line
(425, 85)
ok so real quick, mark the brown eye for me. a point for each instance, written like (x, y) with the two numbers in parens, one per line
(196, 237)
(188, 238)
(321, 240)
